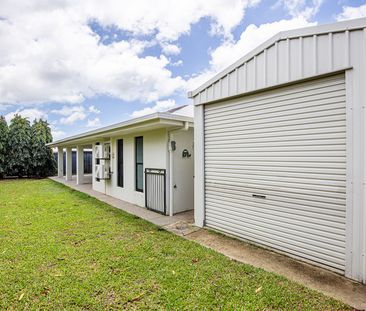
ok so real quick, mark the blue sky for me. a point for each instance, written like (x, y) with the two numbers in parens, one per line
(85, 65)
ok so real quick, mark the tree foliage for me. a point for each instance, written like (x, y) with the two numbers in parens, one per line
(23, 150)
(43, 162)
(4, 136)
(19, 151)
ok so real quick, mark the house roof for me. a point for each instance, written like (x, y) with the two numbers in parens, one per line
(178, 118)
(285, 36)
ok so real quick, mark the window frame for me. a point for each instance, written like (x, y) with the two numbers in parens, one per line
(137, 164)
(120, 163)
(97, 162)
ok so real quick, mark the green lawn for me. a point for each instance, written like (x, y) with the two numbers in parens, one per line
(61, 249)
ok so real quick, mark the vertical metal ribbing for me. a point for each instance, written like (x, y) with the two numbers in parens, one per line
(346, 52)
(315, 53)
(330, 46)
(276, 62)
(301, 57)
(228, 84)
(155, 193)
(265, 67)
(220, 88)
(245, 73)
(236, 81)
(288, 59)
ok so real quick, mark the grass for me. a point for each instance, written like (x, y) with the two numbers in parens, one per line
(61, 249)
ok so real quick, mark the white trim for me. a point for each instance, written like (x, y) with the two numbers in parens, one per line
(79, 165)
(60, 162)
(364, 163)
(199, 171)
(68, 175)
(349, 173)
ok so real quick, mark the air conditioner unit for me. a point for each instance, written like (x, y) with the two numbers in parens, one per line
(97, 171)
(98, 151)
(102, 171)
(107, 151)
(103, 151)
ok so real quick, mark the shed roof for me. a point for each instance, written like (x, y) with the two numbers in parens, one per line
(201, 94)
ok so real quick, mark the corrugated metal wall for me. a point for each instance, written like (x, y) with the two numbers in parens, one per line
(275, 169)
(291, 57)
(287, 59)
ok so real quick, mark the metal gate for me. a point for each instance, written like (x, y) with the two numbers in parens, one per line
(155, 189)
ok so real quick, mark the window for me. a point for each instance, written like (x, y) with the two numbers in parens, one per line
(139, 169)
(97, 161)
(120, 162)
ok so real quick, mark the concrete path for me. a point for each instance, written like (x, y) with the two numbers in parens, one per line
(329, 283)
(181, 223)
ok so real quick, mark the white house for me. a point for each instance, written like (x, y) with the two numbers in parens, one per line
(280, 147)
(147, 161)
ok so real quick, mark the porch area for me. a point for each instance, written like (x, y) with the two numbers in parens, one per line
(181, 224)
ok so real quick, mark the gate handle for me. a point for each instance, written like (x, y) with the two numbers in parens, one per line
(258, 196)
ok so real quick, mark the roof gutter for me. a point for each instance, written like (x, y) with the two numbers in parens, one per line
(121, 126)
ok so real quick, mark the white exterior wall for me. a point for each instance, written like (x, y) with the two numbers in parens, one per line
(295, 56)
(183, 171)
(155, 156)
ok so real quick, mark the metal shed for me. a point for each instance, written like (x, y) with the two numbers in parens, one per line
(280, 147)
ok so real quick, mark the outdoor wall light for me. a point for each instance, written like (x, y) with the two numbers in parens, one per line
(173, 145)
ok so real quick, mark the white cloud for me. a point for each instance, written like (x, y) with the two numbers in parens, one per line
(170, 49)
(72, 118)
(92, 109)
(70, 114)
(52, 44)
(251, 37)
(93, 123)
(350, 12)
(68, 110)
(177, 63)
(31, 114)
(301, 8)
(161, 105)
(57, 134)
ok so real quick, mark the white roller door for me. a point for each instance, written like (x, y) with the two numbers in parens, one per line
(275, 169)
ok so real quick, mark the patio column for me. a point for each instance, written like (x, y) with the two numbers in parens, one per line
(60, 162)
(68, 164)
(80, 165)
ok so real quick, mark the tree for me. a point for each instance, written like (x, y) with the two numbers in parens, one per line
(4, 135)
(43, 161)
(19, 146)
